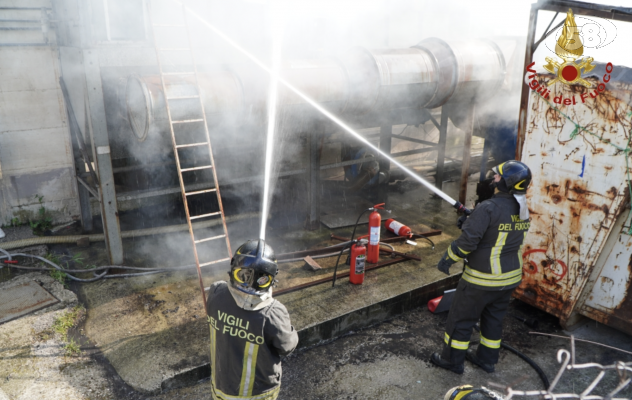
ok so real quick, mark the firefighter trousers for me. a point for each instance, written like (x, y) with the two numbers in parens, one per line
(469, 305)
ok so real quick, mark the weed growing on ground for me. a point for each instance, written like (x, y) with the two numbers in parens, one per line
(44, 221)
(72, 348)
(63, 323)
(56, 274)
(77, 260)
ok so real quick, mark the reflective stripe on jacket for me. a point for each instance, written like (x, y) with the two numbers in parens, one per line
(246, 347)
(492, 240)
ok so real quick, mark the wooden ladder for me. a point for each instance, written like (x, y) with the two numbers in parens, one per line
(195, 123)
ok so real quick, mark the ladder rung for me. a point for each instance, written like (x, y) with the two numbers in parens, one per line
(210, 238)
(187, 121)
(200, 192)
(179, 146)
(169, 26)
(205, 215)
(173, 49)
(196, 168)
(214, 262)
(183, 97)
(179, 73)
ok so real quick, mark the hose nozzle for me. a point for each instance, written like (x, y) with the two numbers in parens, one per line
(460, 208)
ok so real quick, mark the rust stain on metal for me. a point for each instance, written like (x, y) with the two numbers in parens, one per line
(624, 309)
(573, 208)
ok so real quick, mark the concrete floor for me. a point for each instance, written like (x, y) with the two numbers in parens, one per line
(390, 361)
(151, 329)
(148, 335)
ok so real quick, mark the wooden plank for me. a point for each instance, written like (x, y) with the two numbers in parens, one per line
(311, 264)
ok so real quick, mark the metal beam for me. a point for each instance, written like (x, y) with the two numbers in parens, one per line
(81, 160)
(313, 141)
(101, 142)
(582, 8)
(409, 139)
(386, 131)
(443, 135)
(524, 97)
(412, 152)
(467, 148)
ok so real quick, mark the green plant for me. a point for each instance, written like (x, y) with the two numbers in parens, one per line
(15, 222)
(64, 322)
(44, 222)
(72, 348)
(59, 276)
(77, 260)
(56, 274)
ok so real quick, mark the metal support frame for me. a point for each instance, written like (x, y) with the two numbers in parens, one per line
(82, 160)
(558, 6)
(101, 143)
(484, 159)
(313, 170)
(386, 133)
(467, 148)
(443, 136)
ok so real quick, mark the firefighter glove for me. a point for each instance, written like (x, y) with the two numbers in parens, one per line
(445, 264)
(461, 221)
(452, 255)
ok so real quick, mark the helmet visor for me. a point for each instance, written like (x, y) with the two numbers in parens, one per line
(250, 278)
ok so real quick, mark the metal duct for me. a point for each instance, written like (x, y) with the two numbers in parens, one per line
(375, 82)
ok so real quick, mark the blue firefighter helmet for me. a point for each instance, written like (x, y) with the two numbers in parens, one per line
(516, 174)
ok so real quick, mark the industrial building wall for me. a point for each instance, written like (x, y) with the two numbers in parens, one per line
(36, 159)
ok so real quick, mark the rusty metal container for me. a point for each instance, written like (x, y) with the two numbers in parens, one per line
(577, 254)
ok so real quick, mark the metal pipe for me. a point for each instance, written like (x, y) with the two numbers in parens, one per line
(361, 83)
(125, 234)
(338, 276)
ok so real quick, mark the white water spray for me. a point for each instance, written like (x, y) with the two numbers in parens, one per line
(318, 107)
(272, 112)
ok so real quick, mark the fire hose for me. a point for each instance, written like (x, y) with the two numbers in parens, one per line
(146, 271)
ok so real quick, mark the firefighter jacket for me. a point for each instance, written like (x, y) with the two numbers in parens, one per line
(246, 347)
(491, 244)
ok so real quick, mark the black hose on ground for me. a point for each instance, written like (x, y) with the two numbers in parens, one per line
(68, 272)
(338, 260)
(420, 236)
(350, 243)
(529, 361)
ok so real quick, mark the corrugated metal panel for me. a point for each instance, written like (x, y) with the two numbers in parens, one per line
(579, 188)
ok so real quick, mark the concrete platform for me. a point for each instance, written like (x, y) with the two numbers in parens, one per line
(152, 329)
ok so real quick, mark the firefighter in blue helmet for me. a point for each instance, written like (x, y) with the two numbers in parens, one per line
(491, 245)
(250, 330)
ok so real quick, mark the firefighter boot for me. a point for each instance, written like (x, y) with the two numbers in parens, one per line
(471, 356)
(437, 360)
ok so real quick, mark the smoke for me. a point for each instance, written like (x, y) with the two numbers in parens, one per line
(236, 92)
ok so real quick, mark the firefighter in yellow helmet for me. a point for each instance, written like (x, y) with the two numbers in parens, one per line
(250, 330)
(491, 245)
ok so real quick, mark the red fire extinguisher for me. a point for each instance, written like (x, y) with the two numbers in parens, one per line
(398, 228)
(375, 222)
(358, 258)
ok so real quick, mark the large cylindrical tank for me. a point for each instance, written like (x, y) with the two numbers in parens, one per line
(362, 82)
